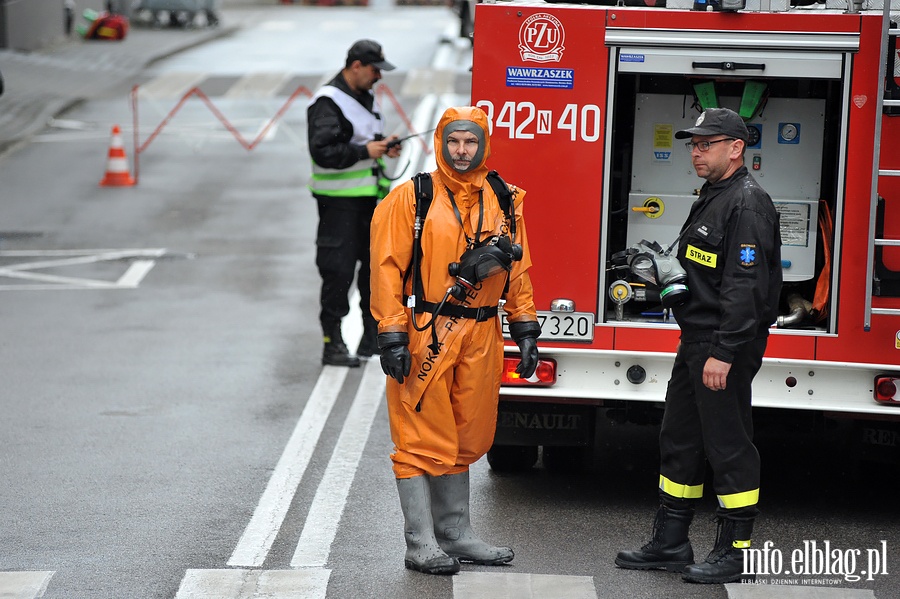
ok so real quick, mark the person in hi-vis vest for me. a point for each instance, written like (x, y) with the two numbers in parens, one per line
(347, 146)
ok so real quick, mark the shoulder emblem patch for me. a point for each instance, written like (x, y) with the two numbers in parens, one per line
(747, 255)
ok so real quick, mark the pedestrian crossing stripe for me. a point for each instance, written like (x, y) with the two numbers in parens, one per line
(269, 85)
(478, 585)
(24, 585)
(248, 86)
(306, 583)
(258, 85)
(171, 85)
(312, 583)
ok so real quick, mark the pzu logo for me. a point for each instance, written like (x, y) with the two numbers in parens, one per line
(541, 38)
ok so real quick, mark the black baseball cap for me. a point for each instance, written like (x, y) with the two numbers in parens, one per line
(369, 52)
(715, 121)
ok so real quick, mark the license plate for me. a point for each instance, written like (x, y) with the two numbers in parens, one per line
(561, 326)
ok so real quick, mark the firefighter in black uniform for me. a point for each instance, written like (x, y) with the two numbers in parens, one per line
(730, 247)
(347, 146)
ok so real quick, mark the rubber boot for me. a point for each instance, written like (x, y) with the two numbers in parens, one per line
(452, 527)
(422, 551)
(368, 344)
(725, 563)
(335, 352)
(669, 548)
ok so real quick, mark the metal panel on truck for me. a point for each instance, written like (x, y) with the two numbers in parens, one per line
(584, 103)
(541, 78)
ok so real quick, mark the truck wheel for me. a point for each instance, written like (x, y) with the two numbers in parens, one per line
(565, 459)
(512, 458)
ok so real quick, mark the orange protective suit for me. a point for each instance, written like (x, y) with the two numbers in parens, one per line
(456, 390)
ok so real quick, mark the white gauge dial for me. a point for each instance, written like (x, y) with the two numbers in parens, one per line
(788, 132)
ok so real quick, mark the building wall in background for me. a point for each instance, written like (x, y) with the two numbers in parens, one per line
(28, 25)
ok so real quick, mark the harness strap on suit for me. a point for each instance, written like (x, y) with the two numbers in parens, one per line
(479, 314)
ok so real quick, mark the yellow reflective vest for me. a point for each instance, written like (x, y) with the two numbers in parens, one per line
(365, 178)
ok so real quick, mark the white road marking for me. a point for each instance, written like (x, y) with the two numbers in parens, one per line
(171, 85)
(279, 26)
(70, 136)
(256, 542)
(428, 113)
(254, 584)
(24, 585)
(210, 129)
(426, 80)
(351, 325)
(135, 273)
(411, 153)
(71, 124)
(269, 515)
(257, 85)
(53, 282)
(331, 497)
(132, 277)
(490, 585)
(87, 254)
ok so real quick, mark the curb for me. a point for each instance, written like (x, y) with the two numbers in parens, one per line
(18, 131)
(218, 33)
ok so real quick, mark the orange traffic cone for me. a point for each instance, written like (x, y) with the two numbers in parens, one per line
(117, 174)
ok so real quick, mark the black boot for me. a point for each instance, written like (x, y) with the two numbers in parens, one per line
(335, 352)
(725, 563)
(368, 344)
(669, 549)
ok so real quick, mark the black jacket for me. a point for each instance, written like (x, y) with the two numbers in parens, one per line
(731, 249)
(329, 132)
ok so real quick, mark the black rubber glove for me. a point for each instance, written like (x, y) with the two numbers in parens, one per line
(525, 335)
(395, 358)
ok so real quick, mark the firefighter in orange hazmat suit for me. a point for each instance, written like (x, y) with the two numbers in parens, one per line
(445, 362)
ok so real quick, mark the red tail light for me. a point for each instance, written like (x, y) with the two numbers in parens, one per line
(544, 374)
(886, 389)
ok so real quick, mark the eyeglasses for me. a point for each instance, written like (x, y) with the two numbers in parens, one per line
(703, 146)
(375, 69)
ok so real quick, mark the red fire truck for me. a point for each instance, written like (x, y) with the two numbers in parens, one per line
(584, 101)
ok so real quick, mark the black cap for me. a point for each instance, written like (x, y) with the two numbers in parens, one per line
(715, 121)
(368, 52)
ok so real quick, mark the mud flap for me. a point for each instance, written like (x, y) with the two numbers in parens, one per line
(530, 423)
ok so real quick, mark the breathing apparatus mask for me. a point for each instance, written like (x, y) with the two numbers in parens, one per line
(650, 262)
(493, 256)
